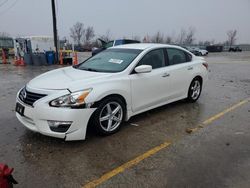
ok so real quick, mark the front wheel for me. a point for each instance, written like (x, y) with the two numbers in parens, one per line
(194, 90)
(109, 116)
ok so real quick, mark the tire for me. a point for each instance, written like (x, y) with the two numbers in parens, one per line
(194, 90)
(199, 54)
(109, 115)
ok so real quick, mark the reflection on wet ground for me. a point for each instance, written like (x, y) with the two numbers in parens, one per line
(48, 162)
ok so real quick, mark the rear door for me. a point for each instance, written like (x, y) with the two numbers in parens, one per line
(180, 68)
(150, 89)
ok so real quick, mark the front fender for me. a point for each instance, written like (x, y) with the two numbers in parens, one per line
(120, 87)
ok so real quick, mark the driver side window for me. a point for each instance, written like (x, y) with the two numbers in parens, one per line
(154, 58)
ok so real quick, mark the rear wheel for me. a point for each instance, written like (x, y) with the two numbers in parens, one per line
(109, 116)
(194, 90)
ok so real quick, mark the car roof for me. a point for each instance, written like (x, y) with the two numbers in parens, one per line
(144, 46)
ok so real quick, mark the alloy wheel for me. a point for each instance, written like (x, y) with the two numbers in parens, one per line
(111, 116)
(196, 89)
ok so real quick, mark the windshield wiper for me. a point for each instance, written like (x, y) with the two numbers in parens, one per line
(89, 69)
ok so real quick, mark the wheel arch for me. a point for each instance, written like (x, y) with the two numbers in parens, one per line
(199, 78)
(96, 104)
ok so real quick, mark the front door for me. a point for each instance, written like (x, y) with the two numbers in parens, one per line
(150, 89)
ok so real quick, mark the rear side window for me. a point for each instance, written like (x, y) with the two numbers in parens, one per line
(119, 42)
(109, 44)
(154, 58)
(176, 56)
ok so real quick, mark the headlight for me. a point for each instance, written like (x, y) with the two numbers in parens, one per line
(76, 99)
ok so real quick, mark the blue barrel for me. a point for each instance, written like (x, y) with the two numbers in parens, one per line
(50, 56)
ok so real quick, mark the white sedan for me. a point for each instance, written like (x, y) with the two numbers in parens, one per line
(198, 51)
(109, 88)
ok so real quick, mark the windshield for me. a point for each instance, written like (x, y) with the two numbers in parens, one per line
(110, 60)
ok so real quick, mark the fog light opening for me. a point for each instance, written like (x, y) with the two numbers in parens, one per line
(59, 126)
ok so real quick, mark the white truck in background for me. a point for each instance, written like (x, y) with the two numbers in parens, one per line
(33, 44)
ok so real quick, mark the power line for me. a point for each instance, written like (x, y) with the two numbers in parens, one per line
(5, 1)
(8, 8)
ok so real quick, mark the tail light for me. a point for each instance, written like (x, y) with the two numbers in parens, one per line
(205, 65)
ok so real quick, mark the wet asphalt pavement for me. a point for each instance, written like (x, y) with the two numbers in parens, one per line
(217, 155)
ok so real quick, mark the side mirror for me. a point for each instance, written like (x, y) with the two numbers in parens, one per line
(143, 68)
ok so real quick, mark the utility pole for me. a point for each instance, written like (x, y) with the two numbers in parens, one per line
(55, 29)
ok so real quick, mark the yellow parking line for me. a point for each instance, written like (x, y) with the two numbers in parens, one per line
(126, 165)
(155, 150)
(217, 116)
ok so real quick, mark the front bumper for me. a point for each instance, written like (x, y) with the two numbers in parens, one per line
(36, 118)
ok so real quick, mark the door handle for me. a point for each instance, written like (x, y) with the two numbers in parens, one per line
(190, 68)
(166, 75)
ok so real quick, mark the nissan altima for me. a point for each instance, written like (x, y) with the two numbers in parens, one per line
(109, 88)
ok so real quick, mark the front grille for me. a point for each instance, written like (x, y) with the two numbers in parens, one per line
(29, 97)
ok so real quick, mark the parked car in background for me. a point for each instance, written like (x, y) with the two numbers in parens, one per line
(109, 88)
(235, 49)
(80, 48)
(106, 45)
(197, 51)
(214, 48)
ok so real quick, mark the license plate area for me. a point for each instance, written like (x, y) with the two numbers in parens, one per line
(20, 109)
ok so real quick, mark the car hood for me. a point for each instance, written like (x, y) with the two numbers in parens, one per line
(65, 78)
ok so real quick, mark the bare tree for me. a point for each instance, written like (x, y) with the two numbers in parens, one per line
(107, 36)
(4, 35)
(146, 39)
(206, 42)
(169, 40)
(124, 37)
(89, 34)
(158, 38)
(181, 38)
(226, 43)
(189, 39)
(201, 43)
(231, 37)
(138, 38)
(77, 32)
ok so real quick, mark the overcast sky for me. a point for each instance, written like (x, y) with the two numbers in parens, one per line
(211, 18)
